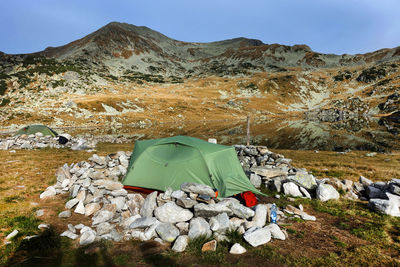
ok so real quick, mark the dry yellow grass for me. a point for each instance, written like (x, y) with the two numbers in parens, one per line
(382, 167)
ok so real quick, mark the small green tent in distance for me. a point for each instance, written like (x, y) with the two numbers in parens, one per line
(169, 162)
(33, 129)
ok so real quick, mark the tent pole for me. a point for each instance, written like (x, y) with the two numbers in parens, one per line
(248, 130)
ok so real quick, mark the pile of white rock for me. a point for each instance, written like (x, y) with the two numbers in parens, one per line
(170, 217)
(37, 141)
(383, 197)
(276, 173)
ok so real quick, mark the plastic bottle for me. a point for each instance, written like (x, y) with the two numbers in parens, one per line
(273, 213)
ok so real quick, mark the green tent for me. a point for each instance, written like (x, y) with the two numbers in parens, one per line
(32, 129)
(169, 162)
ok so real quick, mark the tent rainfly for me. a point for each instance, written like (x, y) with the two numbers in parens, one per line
(169, 162)
(32, 129)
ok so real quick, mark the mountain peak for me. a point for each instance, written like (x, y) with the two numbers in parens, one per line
(126, 46)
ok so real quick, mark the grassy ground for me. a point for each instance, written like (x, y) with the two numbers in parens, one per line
(345, 233)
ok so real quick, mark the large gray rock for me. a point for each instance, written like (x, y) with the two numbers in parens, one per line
(172, 213)
(211, 210)
(149, 205)
(241, 211)
(347, 184)
(100, 160)
(96, 175)
(167, 232)
(255, 180)
(326, 192)
(394, 189)
(220, 223)
(63, 173)
(237, 249)
(236, 222)
(260, 216)
(305, 192)
(80, 208)
(268, 172)
(167, 194)
(276, 183)
(395, 181)
(81, 195)
(113, 186)
(373, 192)
(50, 191)
(119, 193)
(87, 238)
(119, 202)
(69, 234)
(276, 232)
(186, 203)
(291, 189)
(135, 203)
(124, 160)
(150, 232)
(143, 222)
(71, 203)
(364, 181)
(178, 194)
(304, 179)
(183, 227)
(390, 206)
(102, 216)
(197, 189)
(381, 185)
(92, 208)
(257, 236)
(104, 228)
(199, 227)
(74, 190)
(128, 221)
(358, 187)
(65, 214)
(180, 243)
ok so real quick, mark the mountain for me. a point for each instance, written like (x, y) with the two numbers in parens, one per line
(123, 73)
(121, 46)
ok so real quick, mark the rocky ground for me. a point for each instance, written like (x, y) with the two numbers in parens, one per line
(180, 216)
(341, 226)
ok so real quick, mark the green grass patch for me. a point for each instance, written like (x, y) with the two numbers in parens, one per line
(11, 199)
(233, 237)
(197, 243)
(371, 231)
(26, 225)
(331, 207)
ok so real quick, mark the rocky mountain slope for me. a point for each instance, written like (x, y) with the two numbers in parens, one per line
(123, 74)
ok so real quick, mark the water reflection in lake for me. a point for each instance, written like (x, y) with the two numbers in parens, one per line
(281, 133)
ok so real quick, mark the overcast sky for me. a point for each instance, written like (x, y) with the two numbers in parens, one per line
(327, 26)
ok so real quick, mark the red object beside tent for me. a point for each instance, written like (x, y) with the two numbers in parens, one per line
(249, 198)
